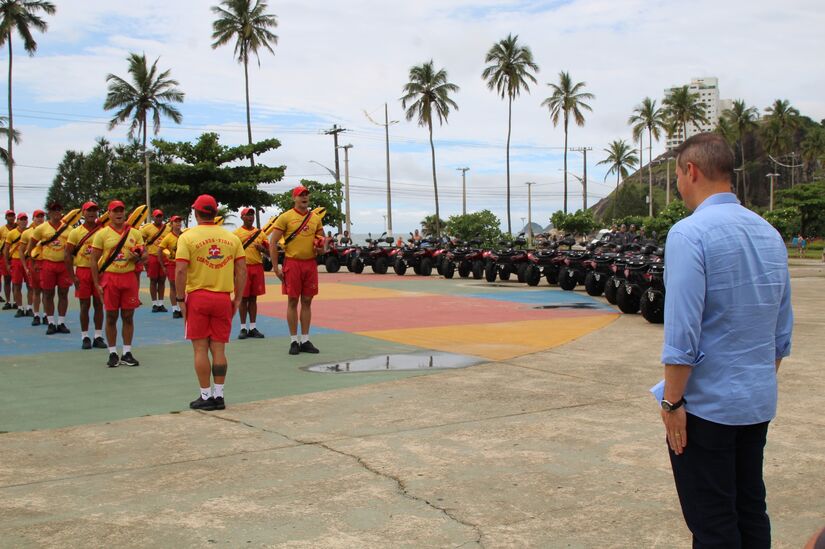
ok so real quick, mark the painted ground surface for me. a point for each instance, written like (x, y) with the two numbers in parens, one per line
(49, 382)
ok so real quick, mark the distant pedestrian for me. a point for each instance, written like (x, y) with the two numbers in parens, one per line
(803, 244)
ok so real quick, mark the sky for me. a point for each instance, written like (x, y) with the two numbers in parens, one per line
(335, 60)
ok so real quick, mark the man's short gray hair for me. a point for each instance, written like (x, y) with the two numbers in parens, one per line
(710, 153)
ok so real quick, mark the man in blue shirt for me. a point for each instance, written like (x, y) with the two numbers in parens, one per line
(728, 324)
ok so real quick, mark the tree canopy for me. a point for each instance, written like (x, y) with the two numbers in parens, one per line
(322, 195)
(483, 225)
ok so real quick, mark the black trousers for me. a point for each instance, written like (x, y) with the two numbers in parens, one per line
(720, 486)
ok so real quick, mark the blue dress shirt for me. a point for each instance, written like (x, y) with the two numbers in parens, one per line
(727, 311)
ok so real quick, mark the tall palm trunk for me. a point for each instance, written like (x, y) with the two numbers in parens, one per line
(641, 159)
(11, 134)
(146, 167)
(435, 183)
(616, 196)
(509, 128)
(565, 162)
(249, 127)
(744, 173)
(650, 168)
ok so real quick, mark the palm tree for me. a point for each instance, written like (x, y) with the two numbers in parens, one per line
(743, 121)
(647, 117)
(685, 108)
(567, 98)
(782, 120)
(813, 148)
(22, 16)
(5, 157)
(620, 157)
(671, 128)
(429, 91)
(149, 92)
(248, 25)
(508, 75)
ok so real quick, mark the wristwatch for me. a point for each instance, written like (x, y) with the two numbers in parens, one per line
(668, 406)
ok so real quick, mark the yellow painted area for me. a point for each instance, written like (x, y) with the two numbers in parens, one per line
(332, 291)
(500, 341)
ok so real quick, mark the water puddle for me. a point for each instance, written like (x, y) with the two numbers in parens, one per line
(575, 305)
(396, 363)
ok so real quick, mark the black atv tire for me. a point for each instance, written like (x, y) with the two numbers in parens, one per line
(449, 269)
(567, 280)
(628, 298)
(592, 286)
(611, 289)
(426, 267)
(490, 272)
(464, 269)
(532, 275)
(478, 269)
(521, 268)
(332, 264)
(358, 265)
(505, 272)
(652, 306)
(350, 259)
(399, 267)
(551, 275)
(417, 268)
(381, 265)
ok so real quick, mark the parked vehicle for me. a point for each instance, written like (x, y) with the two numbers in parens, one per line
(374, 255)
(652, 304)
(421, 257)
(512, 258)
(628, 297)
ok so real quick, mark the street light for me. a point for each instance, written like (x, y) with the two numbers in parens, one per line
(346, 183)
(387, 123)
(530, 212)
(463, 189)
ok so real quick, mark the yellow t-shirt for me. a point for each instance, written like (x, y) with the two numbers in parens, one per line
(4, 230)
(253, 254)
(83, 257)
(149, 231)
(169, 242)
(14, 242)
(211, 252)
(106, 240)
(24, 241)
(54, 250)
(303, 245)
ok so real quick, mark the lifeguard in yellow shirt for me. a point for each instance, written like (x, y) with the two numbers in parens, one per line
(254, 242)
(78, 263)
(14, 259)
(51, 237)
(166, 255)
(153, 234)
(5, 274)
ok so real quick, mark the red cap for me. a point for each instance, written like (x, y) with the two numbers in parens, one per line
(205, 203)
(89, 206)
(38, 213)
(175, 218)
(247, 211)
(115, 204)
(22, 215)
(157, 213)
(9, 212)
(299, 190)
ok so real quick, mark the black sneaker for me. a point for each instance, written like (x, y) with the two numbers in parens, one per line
(177, 314)
(51, 329)
(294, 348)
(219, 403)
(155, 309)
(8, 306)
(256, 334)
(128, 360)
(98, 343)
(20, 313)
(87, 343)
(244, 334)
(307, 347)
(36, 321)
(29, 312)
(201, 404)
(114, 360)
(63, 329)
(162, 309)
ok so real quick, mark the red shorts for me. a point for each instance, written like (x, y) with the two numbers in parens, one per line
(120, 291)
(170, 272)
(18, 275)
(34, 268)
(255, 281)
(300, 277)
(54, 273)
(208, 315)
(138, 268)
(154, 269)
(85, 289)
(3, 270)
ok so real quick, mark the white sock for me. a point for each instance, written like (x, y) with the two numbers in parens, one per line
(304, 338)
(112, 350)
(217, 391)
(28, 307)
(294, 339)
(98, 333)
(61, 320)
(252, 325)
(175, 308)
(48, 319)
(155, 303)
(206, 393)
(83, 335)
(127, 349)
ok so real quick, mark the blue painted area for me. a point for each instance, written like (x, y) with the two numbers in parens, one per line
(545, 297)
(20, 338)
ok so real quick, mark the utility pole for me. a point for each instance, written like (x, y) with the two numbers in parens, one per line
(387, 123)
(773, 177)
(334, 133)
(583, 150)
(530, 213)
(346, 185)
(463, 189)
